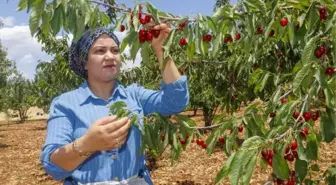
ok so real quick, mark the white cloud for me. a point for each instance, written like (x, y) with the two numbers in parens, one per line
(22, 48)
(8, 21)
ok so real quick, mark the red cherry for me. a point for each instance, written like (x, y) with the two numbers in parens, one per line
(287, 149)
(323, 13)
(198, 141)
(329, 71)
(240, 128)
(259, 29)
(271, 153)
(318, 54)
(208, 37)
(294, 145)
(139, 15)
(284, 22)
(255, 66)
(278, 54)
(279, 182)
(290, 157)
(182, 24)
(204, 38)
(264, 154)
(142, 32)
(270, 162)
(295, 154)
(272, 115)
(304, 132)
(237, 36)
(142, 38)
(271, 34)
(230, 39)
(122, 28)
(292, 174)
(155, 33)
(307, 115)
(221, 140)
(314, 117)
(149, 37)
(283, 101)
(143, 21)
(291, 182)
(322, 49)
(182, 141)
(148, 18)
(204, 145)
(183, 42)
(296, 114)
(163, 136)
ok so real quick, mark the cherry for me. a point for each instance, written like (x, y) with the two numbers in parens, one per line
(208, 37)
(264, 153)
(204, 38)
(198, 142)
(148, 18)
(296, 114)
(255, 66)
(142, 38)
(182, 141)
(329, 71)
(284, 22)
(163, 136)
(183, 42)
(295, 154)
(323, 13)
(139, 15)
(322, 49)
(122, 28)
(142, 32)
(259, 29)
(272, 115)
(314, 117)
(283, 100)
(143, 21)
(149, 37)
(270, 162)
(155, 33)
(182, 25)
(237, 36)
(287, 149)
(279, 181)
(290, 157)
(304, 132)
(240, 128)
(291, 181)
(292, 174)
(307, 115)
(271, 34)
(294, 145)
(318, 54)
(278, 54)
(204, 145)
(221, 140)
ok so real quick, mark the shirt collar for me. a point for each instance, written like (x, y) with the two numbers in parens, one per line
(87, 93)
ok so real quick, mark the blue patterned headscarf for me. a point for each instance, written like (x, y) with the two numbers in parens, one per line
(79, 51)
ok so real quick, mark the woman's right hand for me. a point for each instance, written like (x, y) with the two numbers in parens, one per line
(105, 134)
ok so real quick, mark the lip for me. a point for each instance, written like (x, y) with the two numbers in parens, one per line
(108, 66)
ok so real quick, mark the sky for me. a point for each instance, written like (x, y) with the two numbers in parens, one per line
(26, 51)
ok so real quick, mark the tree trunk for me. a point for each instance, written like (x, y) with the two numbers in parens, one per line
(209, 114)
(23, 115)
(195, 111)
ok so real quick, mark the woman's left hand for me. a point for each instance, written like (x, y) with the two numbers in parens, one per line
(164, 28)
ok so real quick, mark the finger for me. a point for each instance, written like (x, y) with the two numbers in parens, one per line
(116, 125)
(162, 26)
(106, 120)
(122, 132)
(151, 23)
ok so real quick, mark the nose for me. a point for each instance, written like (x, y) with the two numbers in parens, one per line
(109, 55)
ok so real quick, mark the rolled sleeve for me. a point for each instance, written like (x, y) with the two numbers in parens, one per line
(170, 99)
(59, 133)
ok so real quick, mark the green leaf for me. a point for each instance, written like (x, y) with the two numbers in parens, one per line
(35, 16)
(291, 34)
(301, 167)
(315, 167)
(128, 39)
(56, 20)
(135, 48)
(104, 19)
(252, 142)
(301, 149)
(312, 146)
(260, 86)
(280, 166)
(46, 22)
(224, 171)
(249, 168)
(251, 107)
(145, 52)
(328, 127)
(235, 168)
(182, 19)
(154, 12)
(258, 4)
(211, 24)
(117, 106)
(29, 5)
(217, 44)
(212, 141)
(308, 51)
(22, 5)
(300, 76)
(191, 50)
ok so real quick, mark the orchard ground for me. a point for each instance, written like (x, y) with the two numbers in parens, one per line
(20, 146)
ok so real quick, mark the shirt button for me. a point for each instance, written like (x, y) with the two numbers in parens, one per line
(116, 178)
(114, 156)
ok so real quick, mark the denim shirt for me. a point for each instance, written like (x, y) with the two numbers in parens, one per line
(72, 113)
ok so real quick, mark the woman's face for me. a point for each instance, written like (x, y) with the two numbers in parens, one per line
(103, 59)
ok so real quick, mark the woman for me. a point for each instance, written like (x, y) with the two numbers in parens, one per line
(84, 144)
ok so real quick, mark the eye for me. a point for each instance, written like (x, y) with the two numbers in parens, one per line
(115, 50)
(100, 51)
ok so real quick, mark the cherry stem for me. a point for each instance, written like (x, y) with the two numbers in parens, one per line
(130, 11)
